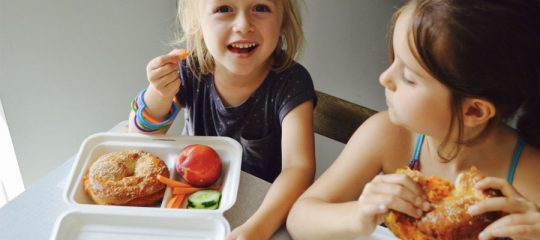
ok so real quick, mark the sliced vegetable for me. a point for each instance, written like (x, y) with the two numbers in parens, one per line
(204, 199)
(171, 183)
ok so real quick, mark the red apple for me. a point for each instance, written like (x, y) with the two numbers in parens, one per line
(199, 165)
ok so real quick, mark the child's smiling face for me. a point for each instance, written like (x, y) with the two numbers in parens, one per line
(415, 99)
(241, 35)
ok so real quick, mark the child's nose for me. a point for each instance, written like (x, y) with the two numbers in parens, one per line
(386, 79)
(242, 24)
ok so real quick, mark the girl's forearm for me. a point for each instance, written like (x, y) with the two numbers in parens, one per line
(273, 211)
(314, 219)
(157, 106)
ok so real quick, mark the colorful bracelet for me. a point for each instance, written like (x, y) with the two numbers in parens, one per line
(143, 121)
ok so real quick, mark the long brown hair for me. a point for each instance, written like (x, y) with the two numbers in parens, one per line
(487, 49)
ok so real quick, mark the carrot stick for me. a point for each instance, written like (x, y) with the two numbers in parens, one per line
(171, 183)
(179, 200)
(185, 190)
(183, 53)
(189, 190)
(172, 200)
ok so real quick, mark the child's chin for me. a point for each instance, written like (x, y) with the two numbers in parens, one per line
(241, 69)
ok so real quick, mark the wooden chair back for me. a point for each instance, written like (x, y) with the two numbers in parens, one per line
(336, 118)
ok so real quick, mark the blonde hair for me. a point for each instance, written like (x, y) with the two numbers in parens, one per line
(290, 44)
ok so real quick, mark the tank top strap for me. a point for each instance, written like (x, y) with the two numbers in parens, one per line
(515, 158)
(414, 164)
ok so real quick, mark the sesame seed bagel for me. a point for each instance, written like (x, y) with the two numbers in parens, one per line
(126, 178)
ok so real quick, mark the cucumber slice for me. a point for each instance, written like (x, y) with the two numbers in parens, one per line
(215, 206)
(204, 199)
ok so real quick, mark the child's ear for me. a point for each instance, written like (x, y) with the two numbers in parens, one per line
(477, 111)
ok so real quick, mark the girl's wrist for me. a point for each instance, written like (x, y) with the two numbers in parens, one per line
(143, 121)
(264, 231)
(356, 223)
(152, 92)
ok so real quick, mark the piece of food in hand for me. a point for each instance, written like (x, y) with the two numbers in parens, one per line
(183, 53)
(448, 218)
(199, 165)
(204, 199)
(126, 178)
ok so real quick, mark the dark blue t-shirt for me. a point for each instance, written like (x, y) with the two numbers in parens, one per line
(256, 123)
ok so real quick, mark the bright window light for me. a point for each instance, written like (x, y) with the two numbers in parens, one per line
(11, 183)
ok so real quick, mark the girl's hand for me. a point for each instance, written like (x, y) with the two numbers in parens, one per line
(162, 73)
(385, 192)
(244, 232)
(523, 219)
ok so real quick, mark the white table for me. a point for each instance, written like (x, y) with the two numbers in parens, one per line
(32, 214)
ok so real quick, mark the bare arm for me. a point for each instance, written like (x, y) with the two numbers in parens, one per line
(331, 207)
(298, 169)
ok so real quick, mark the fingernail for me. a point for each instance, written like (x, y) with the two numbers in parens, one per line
(419, 213)
(482, 235)
(426, 206)
(472, 209)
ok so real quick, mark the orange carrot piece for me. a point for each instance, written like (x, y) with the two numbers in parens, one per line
(171, 183)
(185, 190)
(189, 190)
(183, 54)
(172, 200)
(179, 200)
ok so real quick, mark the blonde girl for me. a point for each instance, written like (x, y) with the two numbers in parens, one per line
(240, 80)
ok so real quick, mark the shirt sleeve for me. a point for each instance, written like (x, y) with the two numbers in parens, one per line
(296, 87)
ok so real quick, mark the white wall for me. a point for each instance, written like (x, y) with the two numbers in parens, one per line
(69, 68)
(345, 53)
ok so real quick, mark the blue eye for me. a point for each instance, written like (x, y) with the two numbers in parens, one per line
(261, 8)
(223, 9)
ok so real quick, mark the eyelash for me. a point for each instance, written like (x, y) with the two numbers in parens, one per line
(265, 8)
(256, 8)
(407, 80)
(223, 9)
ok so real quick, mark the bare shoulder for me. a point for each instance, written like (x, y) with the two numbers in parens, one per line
(391, 143)
(372, 148)
(526, 176)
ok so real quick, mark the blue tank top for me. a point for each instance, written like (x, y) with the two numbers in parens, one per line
(415, 163)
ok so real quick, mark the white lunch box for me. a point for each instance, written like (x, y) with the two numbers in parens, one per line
(88, 220)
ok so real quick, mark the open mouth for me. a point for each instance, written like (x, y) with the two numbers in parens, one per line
(242, 47)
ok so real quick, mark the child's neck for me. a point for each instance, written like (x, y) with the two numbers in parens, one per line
(491, 154)
(234, 89)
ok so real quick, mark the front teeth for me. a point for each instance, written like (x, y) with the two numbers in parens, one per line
(243, 45)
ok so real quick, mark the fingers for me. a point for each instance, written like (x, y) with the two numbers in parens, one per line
(402, 180)
(164, 80)
(508, 205)
(172, 57)
(162, 72)
(499, 184)
(512, 202)
(397, 192)
(169, 68)
(399, 204)
(515, 226)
